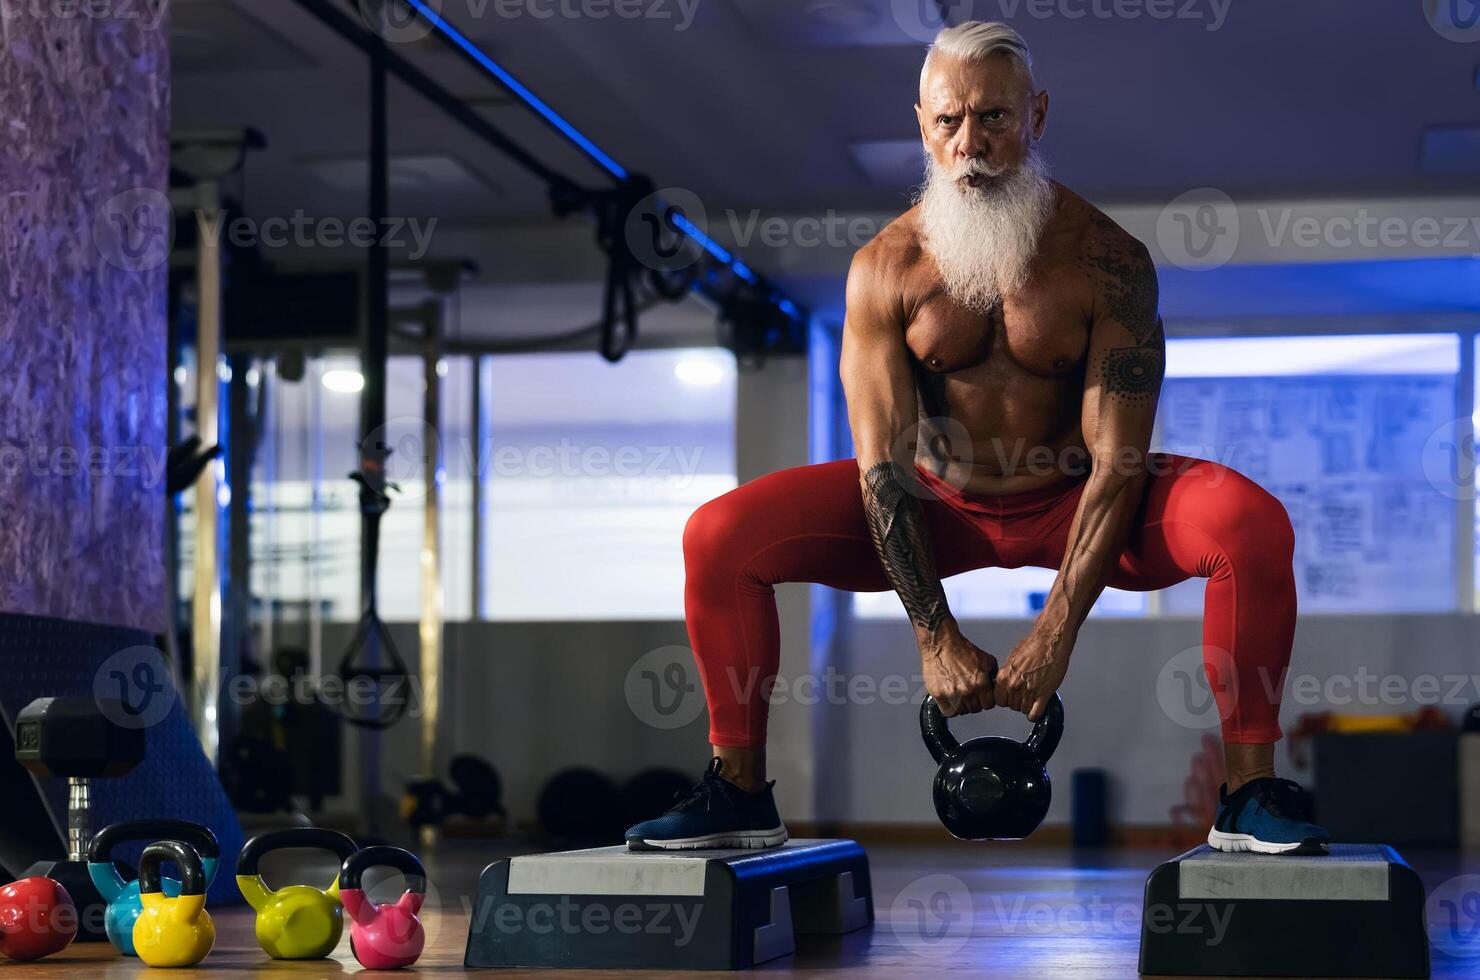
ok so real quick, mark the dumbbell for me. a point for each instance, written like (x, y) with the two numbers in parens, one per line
(75, 739)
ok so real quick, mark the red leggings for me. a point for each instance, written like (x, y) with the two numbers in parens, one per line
(806, 524)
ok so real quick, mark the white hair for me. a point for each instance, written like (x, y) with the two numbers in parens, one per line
(977, 40)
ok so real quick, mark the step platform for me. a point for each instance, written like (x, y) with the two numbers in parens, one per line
(1356, 912)
(612, 908)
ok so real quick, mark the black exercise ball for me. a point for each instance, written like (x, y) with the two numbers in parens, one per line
(583, 806)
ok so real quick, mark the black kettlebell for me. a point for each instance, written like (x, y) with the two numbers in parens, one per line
(991, 788)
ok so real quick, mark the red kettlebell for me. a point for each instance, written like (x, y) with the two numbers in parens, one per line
(37, 918)
(384, 937)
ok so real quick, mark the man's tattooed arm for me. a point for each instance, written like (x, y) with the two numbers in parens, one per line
(1126, 363)
(897, 524)
(1124, 280)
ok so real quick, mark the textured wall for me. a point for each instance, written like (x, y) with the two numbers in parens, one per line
(84, 155)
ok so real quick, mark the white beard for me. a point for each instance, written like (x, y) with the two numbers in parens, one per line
(984, 238)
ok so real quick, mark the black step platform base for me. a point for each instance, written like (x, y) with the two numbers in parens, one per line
(1356, 912)
(609, 907)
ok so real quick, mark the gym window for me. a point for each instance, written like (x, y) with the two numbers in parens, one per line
(590, 471)
(587, 473)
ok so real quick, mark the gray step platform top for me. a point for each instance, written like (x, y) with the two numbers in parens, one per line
(617, 870)
(1351, 872)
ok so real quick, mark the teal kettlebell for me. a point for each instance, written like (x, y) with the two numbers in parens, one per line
(124, 903)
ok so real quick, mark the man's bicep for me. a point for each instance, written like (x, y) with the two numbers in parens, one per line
(1127, 358)
(875, 369)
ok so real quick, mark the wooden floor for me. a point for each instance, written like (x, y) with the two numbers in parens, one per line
(1013, 912)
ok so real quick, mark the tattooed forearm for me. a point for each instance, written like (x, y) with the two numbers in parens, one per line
(897, 525)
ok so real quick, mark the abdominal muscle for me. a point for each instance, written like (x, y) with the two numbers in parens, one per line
(1004, 463)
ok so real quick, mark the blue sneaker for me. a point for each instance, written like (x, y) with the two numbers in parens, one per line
(1267, 816)
(717, 813)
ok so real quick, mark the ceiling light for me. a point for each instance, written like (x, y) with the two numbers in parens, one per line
(344, 382)
(699, 372)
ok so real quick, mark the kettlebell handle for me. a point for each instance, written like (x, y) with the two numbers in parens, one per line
(341, 845)
(192, 874)
(1045, 736)
(380, 856)
(935, 729)
(358, 904)
(196, 835)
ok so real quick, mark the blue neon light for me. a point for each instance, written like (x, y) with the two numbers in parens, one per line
(610, 165)
(711, 246)
(514, 85)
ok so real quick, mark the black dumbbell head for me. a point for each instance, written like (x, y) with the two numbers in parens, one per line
(70, 737)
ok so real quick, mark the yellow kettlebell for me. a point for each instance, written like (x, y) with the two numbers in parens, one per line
(297, 922)
(173, 931)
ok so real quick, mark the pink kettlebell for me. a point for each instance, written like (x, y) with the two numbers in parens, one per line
(384, 937)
